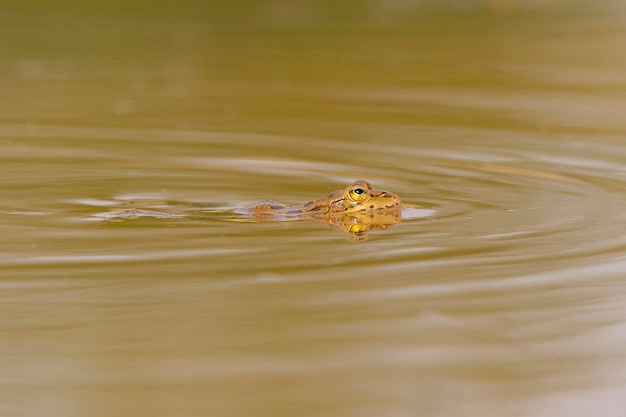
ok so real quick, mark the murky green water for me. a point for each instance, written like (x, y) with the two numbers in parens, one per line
(504, 121)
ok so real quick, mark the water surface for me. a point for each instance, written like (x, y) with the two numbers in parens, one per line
(504, 122)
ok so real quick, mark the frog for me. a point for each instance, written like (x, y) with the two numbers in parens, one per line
(358, 197)
(357, 209)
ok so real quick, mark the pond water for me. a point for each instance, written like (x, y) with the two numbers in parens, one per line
(502, 293)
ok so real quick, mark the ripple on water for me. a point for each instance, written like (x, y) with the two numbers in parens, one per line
(527, 198)
(509, 257)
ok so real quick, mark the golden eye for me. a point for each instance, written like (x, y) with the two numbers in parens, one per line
(358, 228)
(358, 194)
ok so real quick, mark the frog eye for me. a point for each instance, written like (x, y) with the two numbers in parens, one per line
(358, 194)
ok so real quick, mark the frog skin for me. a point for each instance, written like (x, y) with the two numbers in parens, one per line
(357, 198)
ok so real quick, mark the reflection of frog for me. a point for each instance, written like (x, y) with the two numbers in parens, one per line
(356, 210)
